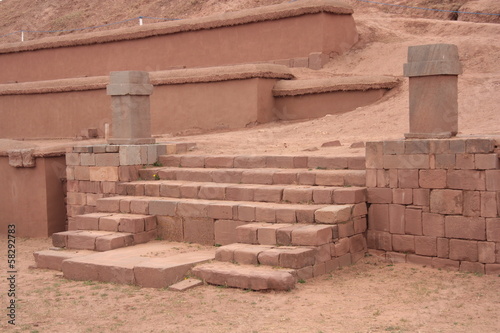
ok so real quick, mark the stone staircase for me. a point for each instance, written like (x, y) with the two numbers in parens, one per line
(274, 220)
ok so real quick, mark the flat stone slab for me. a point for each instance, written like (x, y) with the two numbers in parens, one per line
(246, 276)
(185, 285)
(52, 259)
(156, 264)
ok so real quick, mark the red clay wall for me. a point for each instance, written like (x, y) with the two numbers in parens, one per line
(435, 202)
(100, 53)
(33, 198)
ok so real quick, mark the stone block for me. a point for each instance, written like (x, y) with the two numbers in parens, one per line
(270, 257)
(481, 146)
(248, 255)
(488, 204)
(466, 180)
(189, 191)
(192, 161)
(378, 217)
(360, 225)
(402, 196)
(359, 209)
(395, 257)
(383, 179)
(107, 159)
(345, 260)
(264, 177)
(113, 241)
(419, 260)
(421, 197)
(170, 228)
(408, 178)
(322, 162)
(265, 214)
(76, 198)
(82, 173)
(286, 214)
(357, 243)
(409, 161)
(446, 264)
(322, 195)
(397, 219)
(413, 221)
(139, 206)
(199, 230)
(465, 227)
(432, 224)
(300, 62)
(426, 246)
(374, 155)
(446, 201)
(131, 224)
(87, 159)
(493, 229)
(350, 195)
(432, 178)
(219, 161)
(493, 180)
(268, 194)
(416, 147)
(486, 161)
(445, 161)
(249, 162)
(306, 178)
(465, 161)
(333, 214)
(193, 209)
(464, 250)
(297, 258)
(486, 252)
(266, 234)
(394, 147)
(379, 240)
(492, 269)
(472, 203)
(221, 211)
(443, 247)
(72, 159)
(286, 177)
(98, 174)
(247, 233)
(317, 60)
(472, 267)
(298, 195)
(312, 235)
(403, 243)
(346, 229)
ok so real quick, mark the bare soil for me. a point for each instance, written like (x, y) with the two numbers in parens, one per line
(371, 296)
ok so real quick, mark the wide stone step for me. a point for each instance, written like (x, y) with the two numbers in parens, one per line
(97, 240)
(245, 192)
(284, 234)
(248, 211)
(128, 223)
(263, 161)
(263, 176)
(246, 276)
(153, 265)
(284, 256)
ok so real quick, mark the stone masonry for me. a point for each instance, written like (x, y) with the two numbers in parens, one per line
(435, 202)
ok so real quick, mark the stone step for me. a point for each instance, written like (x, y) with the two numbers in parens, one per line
(152, 265)
(263, 176)
(128, 223)
(245, 192)
(284, 234)
(51, 259)
(263, 161)
(97, 240)
(248, 211)
(285, 256)
(246, 276)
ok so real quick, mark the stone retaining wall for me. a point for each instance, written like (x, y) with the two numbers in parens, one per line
(435, 202)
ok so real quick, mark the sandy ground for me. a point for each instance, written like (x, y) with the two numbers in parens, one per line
(371, 296)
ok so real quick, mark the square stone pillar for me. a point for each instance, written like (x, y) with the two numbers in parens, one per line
(130, 91)
(433, 71)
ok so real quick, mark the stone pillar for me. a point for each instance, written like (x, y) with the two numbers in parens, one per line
(129, 91)
(433, 71)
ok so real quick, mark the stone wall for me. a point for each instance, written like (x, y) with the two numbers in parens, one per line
(435, 202)
(93, 172)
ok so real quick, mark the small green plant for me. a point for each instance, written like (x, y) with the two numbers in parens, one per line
(157, 164)
(301, 281)
(320, 168)
(156, 176)
(218, 245)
